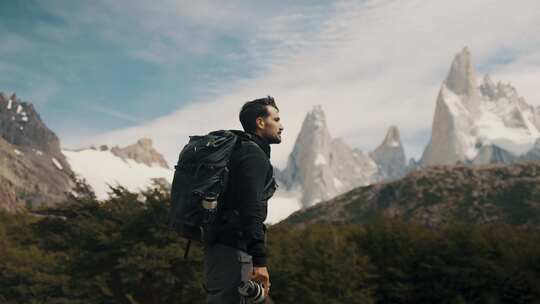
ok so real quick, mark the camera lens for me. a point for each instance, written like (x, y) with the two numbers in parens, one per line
(252, 291)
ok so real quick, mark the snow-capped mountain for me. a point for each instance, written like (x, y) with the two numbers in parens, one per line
(469, 117)
(390, 156)
(320, 166)
(33, 170)
(138, 166)
(134, 167)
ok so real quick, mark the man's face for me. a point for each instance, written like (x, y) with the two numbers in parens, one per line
(270, 127)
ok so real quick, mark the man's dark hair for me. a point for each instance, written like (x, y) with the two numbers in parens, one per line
(253, 109)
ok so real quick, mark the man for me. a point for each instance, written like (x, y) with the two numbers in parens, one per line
(239, 253)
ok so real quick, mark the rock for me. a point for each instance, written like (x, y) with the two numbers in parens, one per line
(461, 78)
(468, 118)
(30, 159)
(142, 152)
(34, 134)
(390, 156)
(323, 167)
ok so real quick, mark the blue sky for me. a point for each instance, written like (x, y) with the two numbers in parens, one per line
(93, 66)
(94, 74)
(113, 71)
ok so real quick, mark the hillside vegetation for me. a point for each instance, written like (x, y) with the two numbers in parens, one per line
(121, 251)
(498, 194)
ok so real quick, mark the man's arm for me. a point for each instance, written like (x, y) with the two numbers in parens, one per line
(252, 208)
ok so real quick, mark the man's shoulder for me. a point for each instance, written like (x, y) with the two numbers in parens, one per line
(248, 148)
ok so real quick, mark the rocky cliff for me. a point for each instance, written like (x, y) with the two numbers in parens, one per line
(469, 117)
(322, 166)
(33, 170)
(142, 152)
(390, 156)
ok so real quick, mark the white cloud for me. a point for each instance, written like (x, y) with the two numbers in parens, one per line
(370, 65)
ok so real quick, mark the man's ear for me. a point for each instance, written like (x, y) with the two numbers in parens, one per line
(260, 122)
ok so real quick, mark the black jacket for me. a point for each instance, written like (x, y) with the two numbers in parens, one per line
(251, 184)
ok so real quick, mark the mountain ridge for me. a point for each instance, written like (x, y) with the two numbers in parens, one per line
(496, 193)
(33, 170)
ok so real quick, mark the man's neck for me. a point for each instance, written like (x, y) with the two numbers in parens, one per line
(262, 142)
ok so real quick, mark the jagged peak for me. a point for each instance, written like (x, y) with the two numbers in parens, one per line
(145, 142)
(317, 113)
(315, 119)
(392, 138)
(461, 78)
(488, 88)
(5, 97)
(142, 152)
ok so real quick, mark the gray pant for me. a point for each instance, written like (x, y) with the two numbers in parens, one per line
(224, 268)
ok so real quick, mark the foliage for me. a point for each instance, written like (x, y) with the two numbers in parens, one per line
(121, 251)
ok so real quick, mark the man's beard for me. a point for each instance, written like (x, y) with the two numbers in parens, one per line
(274, 140)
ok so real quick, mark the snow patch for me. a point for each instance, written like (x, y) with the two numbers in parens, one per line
(454, 103)
(338, 183)
(24, 118)
(17, 152)
(281, 205)
(102, 168)
(19, 109)
(21, 128)
(393, 143)
(57, 164)
(320, 160)
(10, 102)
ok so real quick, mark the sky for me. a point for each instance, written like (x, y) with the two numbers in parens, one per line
(110, 72)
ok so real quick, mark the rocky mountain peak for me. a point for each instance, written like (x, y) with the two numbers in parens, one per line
(488, 88)
(390, 156)
(322, 166)
(142, 152)
(465, 124)
(316, 119)
(33, 170)
(461, 78)
(494, 92)
(392, 138)
(21, 125)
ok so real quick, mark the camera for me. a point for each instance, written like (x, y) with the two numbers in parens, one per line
(252, 291)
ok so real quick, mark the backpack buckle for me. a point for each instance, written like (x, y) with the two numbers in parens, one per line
(209, 205)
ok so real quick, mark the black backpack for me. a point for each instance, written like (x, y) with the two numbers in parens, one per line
(200, 179)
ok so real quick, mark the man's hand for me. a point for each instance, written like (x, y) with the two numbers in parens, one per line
(260, 274)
